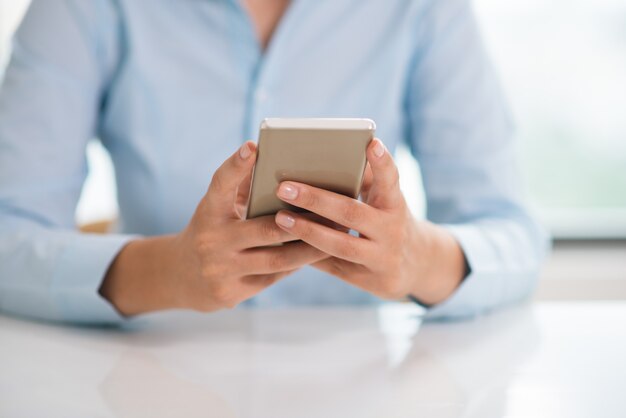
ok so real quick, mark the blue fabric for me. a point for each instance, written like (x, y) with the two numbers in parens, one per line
(172, 88)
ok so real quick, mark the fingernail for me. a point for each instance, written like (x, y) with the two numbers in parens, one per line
(285, 220)
(379, 148)
(288, 191)
(245, 151)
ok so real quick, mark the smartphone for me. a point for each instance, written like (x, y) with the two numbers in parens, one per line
(322, 152)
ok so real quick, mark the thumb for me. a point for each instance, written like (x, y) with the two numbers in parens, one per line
(384, 192)
(222, 192)
(368, 178)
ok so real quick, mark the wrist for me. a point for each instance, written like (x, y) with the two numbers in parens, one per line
(139, 278)
(445, 267)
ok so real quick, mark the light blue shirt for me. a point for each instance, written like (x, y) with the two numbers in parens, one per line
(172, 88)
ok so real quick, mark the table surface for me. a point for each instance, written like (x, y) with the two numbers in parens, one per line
(543, 360)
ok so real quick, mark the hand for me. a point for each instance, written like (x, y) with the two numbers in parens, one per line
(216, 262)
(394, 255)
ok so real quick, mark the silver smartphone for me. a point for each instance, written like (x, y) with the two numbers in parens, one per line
(321, 152)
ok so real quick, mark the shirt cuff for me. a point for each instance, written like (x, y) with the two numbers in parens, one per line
(78, 276)
(477, 292)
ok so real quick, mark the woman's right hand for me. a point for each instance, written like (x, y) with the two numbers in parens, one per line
(216, 262)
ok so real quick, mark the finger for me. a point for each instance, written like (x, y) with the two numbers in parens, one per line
(258, 282)
(255, 283)
(326, 222)
(276, 259)
(223, 188)
(263, 231)
(243, 192)
(344, 210)
(328, 240)
(354, 274)
(337, 267)
(257, 232)
(384, 192)
(368, 178)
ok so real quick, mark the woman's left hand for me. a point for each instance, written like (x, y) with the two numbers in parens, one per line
(394, 255)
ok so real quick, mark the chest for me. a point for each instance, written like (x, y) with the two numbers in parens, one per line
(195, 84)
(265, 17)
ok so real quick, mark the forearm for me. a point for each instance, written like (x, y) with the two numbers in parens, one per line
(139, 278)
(446, 266)
(504, 257)
(54, 273)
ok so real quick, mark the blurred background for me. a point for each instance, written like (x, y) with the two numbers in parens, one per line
(563, 66)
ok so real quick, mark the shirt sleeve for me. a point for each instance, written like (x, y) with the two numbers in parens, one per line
(461, 133)
(63, 55)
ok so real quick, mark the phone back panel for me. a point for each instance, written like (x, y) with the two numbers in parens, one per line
(331, 159)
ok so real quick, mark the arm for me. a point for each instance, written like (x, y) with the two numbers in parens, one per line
(49, 103)
(65, 53)
(216, 262)
(460, 132)
(461, 135)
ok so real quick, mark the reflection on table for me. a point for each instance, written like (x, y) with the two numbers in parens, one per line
(548, 360)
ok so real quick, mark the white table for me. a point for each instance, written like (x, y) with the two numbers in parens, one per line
(547, 360)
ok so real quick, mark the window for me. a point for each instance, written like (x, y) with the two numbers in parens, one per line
(10, 14)
(563, 64)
